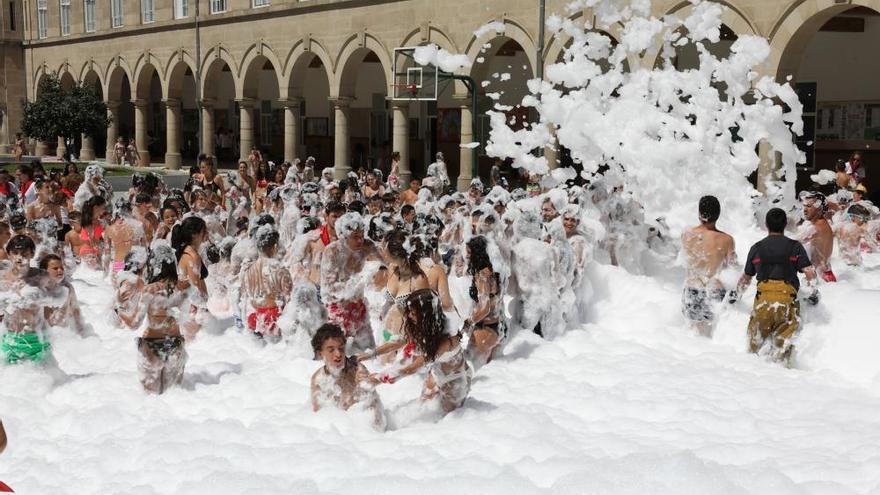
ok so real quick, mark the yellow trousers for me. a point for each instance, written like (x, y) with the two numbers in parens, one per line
(776, 318)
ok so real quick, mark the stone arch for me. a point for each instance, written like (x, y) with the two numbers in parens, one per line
(41, 72)
(146, 67)
(212, 64)
(297, 61)
(254, 60)
(91, 72)
(352, 54)
(558, 44)
(66, 76)
(732, 17)
(435, 35)
(796, 27)
(175, 68)
(116, 69)
(512, 30)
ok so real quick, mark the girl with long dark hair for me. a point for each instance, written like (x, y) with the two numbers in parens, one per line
(424, 325)
(186, 239)
(485, 322)
(405, 277)
(211, 182)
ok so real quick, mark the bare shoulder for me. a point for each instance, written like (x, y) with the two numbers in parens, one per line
(315, 376)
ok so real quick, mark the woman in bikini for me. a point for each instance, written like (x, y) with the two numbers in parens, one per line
(485, 323)
(448, 380)
(161, 346)
(404, 277)
(91, 234)
(212, 183)
(373, 185)
(123, 234)
(186, 239)
(129, 288)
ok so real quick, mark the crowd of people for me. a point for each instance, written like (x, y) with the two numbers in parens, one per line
(420, 279)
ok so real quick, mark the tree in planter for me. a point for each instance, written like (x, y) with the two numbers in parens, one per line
(64, 112)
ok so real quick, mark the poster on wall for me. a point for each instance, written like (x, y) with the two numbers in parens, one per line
(855, 121)
(448, 125)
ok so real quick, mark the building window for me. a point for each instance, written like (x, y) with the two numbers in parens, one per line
(260, 3)
(64, 15)
(89, 15)
(181, 9)
(42, 18)
(218, 6)
(12, 16)
(116, 12)
(147, 11)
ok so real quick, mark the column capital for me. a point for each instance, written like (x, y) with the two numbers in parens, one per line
(291, 102)
(171, 102)
(140, 103)
(246, 102)
(112, 104)
(207, 102)
(341, 101)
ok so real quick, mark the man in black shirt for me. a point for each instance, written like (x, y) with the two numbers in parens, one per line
(776, 260)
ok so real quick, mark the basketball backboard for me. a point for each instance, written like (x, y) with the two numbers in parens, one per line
(412, 80)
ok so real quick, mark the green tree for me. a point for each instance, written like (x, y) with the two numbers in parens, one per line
(64, 112)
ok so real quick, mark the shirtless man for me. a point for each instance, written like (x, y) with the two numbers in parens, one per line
(22, 304)
(856, 230)
(266, 286)
(707, 250)
(69, 312)
(44, 206)
(122, 235)
(817, 235)
(342, 381)
(327, 235)
(342, 286)
(411, 195)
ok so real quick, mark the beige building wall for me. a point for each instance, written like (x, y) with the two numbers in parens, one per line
(286, 38)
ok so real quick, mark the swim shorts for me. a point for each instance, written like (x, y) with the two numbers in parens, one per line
(19, 347)
(696, 304)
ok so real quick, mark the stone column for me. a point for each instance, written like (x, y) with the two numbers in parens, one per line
(246, 127)
(466, 154)
(551, 152)
(140, 132)
(207, 144)
(342, 148)
(112, 131)
(291, 127)
(8, 144)
(767, 166)
(41, 148)
(87, 151)
(400, 139)
(172, 134)
(61, 148)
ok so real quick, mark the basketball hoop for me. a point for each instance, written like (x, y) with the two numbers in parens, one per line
(413, 81)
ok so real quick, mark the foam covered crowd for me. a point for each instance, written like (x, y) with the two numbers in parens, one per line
(381, 279)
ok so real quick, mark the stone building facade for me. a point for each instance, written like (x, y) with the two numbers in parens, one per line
(312, 77)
